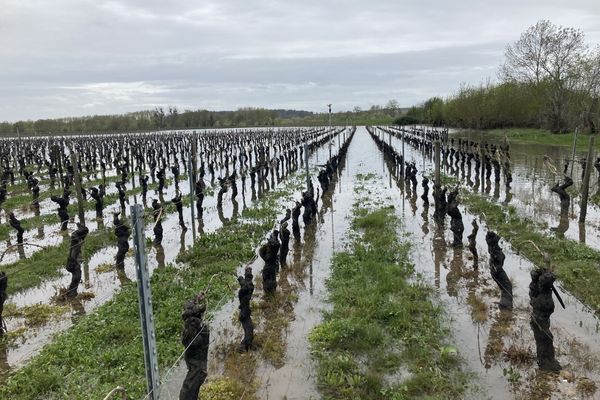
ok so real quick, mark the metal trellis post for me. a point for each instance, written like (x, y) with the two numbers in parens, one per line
(145, 303)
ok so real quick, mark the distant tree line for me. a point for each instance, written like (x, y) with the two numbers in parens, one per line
(550, 79)
(171, 118)
(157, 119)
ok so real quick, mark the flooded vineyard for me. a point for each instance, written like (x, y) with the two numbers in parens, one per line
(277, 242)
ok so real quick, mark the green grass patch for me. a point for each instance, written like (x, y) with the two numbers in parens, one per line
(105, 348)
(384, 338)
(576, 265)
(537, 136)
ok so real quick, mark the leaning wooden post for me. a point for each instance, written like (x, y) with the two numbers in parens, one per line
(437, 164)
(586, 181)
(574, 147)
(306, 166)
(77, 179)
(59, 161)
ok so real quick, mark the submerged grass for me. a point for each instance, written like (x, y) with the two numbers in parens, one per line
(52, 217)
(576, 265)
(384, 338)
(47, 263)
(105, 348)
(34, 314)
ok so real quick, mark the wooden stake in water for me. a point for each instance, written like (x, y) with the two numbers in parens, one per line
(77, 179)
(402, 166)
(574, 147)
(191, 176)
(306, 166)
(437, 163)
(586, 181)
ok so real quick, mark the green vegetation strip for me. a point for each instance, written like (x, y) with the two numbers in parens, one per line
(384, 338)
(105, 348)
(535, 136)
(575, 264)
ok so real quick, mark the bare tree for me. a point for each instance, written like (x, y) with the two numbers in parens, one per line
(563, 65)
(548, 58)
(589, 90)
(526, 57)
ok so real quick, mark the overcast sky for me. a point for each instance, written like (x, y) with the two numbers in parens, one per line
(80, 57)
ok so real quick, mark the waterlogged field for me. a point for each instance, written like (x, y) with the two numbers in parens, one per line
(373, 300)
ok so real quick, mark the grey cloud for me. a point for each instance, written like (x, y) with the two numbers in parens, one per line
(79, 57)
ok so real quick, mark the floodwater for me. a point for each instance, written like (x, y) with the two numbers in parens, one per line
(498, 346)
(290, 372)
(100, 279)
(536, 168)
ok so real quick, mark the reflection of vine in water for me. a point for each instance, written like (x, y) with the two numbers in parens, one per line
(501, 327)
(439, 251)
(40, 229)
(455, 273)
(425, 216)
(160, 255)
(5, 367)
(181, 244)
(77, 309)
(496, 195)
(488, 186)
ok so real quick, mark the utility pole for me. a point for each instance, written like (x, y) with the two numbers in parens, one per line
(402, 166)
(19, 136)
(586, 181)
(145, 303)
(77, 179)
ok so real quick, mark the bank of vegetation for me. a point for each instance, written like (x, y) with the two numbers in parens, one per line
(384, 337)
(550, 79)
(171, 118)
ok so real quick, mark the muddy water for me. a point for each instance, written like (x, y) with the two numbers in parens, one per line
(50, 235)
(533, 178)
(104, 284)
(303, 281)
(498, 346)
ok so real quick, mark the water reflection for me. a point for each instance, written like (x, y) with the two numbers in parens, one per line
(160, 255)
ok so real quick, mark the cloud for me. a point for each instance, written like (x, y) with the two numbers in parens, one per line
(84, 56)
